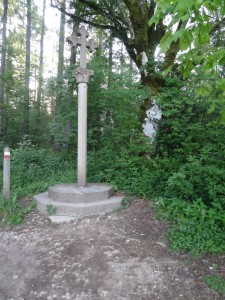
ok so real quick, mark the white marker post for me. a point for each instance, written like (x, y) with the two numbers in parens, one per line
(83, 76)
(6, 173)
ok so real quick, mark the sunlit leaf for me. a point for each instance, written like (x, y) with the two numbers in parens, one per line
(212, 108)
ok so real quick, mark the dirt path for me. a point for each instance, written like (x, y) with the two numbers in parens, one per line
(116, 256)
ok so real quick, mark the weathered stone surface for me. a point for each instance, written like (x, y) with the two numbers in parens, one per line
(83, 75)
(79, 39)
(62, 219)
(77, 209)
(70, 192)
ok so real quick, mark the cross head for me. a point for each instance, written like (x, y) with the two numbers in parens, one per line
(80, 39)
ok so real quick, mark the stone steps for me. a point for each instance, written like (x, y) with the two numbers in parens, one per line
(70, 192)
(70, 201)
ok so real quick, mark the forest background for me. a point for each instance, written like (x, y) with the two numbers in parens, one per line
(166, 52)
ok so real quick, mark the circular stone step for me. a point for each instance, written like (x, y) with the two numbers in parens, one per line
(76, 210)
(70, 192)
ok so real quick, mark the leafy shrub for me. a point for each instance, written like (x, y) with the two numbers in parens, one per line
(11, 212)
(136, 175)
(33, 170)
(196, 180)
(215, 282)
(196, 227)
(192, 194)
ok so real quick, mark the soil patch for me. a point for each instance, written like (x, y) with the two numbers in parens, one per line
(117, 256)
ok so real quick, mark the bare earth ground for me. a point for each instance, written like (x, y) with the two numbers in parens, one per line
(117, 256)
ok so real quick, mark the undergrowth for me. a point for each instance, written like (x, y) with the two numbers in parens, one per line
(125, 203)
(195, 227)
(12, 212)
(215, 282)
(183, 169)
(32, 171)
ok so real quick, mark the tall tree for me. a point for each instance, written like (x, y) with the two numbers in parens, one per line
(70, 91)
(40, 72)
(2, 68)
(27, 71)
(110, 59)
(129, 22)
(60, 73)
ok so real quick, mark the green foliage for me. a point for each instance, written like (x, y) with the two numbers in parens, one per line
(196, 28)
(185, 118)
(114, 115)
(14, 75)
(193, 195)
(196, 180)
(197, 228)
(33, 170)
(51, 210)
(125, 203)
(215, 282)
(12, 212)
(199, 20)
(183, 167)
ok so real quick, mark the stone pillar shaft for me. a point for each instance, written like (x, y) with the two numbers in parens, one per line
(82, 76)
(82, 135)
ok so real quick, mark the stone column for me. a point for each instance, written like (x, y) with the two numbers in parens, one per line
(82, 76)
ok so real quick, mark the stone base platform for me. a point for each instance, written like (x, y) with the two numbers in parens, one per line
(68, 201)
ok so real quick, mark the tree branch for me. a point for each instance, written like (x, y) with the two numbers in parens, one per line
(173, 50)
(122, 36)
(80, 19)
(107, 14)
(127, 20)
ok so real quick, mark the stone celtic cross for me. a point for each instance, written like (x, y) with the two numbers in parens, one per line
(82, 76)
(79, 39)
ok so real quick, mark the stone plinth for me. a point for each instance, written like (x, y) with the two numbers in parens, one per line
(72, 193)
(69, 200)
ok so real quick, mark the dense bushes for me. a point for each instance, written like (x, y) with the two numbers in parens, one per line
(183, 170)
(32, 171)
(193, 197)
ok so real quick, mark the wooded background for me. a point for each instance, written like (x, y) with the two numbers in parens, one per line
(166, 52)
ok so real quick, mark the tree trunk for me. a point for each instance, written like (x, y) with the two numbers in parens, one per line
(70, 91)
(2, 69)
(27, 72)
(60, 70)
(40, 76)
(129, 22)
(110, 59)
(108, 113)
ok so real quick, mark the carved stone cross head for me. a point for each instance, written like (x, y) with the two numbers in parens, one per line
(79, 39)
